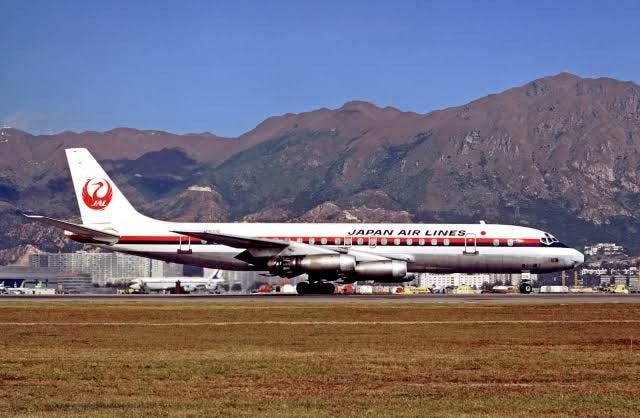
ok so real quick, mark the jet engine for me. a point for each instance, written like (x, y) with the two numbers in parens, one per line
(392, 270)
(339, 264)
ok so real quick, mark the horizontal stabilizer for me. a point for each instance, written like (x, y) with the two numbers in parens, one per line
(84, 231)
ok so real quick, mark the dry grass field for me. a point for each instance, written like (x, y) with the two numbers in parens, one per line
(199, 359)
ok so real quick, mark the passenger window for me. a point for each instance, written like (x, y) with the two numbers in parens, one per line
(348, 241)
(312, 240)
(446, 241)
(510, 243)
(337, 241)
(373, 241)
(434, 241)
(421, 241)
(409, 241)
(300, 239)
(496, 242)
(396, 241)
(383, 241)
(323, 241)
(360, 241)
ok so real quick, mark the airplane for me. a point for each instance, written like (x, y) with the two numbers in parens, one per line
(39, 289)
(326, 252)
(189, 284)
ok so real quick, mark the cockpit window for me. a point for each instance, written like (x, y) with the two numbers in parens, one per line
(548, 239)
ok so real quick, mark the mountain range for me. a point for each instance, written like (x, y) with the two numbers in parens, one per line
(559, 153)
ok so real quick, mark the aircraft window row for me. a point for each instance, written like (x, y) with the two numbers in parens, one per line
(373, 241)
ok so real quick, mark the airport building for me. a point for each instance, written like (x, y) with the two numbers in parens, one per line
(104, 267)
(433, 280)
(604, 248)
(437, 280)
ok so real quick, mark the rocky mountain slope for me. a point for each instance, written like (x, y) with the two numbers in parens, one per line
(559, 153)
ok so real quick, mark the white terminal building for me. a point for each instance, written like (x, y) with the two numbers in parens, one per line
(438, 280)
(105, 267)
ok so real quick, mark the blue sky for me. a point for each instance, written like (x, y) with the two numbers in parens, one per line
(223, 67)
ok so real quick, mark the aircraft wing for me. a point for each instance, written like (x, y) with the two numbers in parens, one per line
(258, 249)
(81, 230)
(236, 241)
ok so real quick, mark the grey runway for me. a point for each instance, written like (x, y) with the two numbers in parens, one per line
(279, 298)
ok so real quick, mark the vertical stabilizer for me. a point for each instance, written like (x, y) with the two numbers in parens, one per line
(99, 199)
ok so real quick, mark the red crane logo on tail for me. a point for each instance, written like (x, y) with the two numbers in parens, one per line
(97, 193)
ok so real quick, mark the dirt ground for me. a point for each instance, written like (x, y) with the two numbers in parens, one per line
(107, 359)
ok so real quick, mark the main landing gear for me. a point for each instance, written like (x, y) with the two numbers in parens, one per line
(315, 288)
(525, 288)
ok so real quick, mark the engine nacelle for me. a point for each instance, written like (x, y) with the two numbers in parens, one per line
(321, 263)
(392, 270)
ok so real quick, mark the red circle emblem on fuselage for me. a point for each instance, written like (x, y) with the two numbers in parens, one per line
(97, 194)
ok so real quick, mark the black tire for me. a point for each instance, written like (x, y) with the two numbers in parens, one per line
(328, 289)
(526, 288)
(303, 288)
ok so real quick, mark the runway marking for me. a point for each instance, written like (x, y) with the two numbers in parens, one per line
(239, 323)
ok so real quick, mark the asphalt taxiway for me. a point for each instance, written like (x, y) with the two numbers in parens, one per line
(280, 298)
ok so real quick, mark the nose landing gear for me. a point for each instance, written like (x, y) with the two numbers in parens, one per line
(315, 288)
(525, 283)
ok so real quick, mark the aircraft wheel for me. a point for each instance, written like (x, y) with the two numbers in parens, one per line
(303, 288)
(328, 288)
(526, 288)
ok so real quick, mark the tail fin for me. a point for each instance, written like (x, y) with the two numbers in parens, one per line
(99, 199)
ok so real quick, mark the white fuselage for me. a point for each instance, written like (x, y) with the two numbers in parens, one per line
(426, 247)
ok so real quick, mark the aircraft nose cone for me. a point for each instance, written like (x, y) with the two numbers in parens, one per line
(577, 257)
